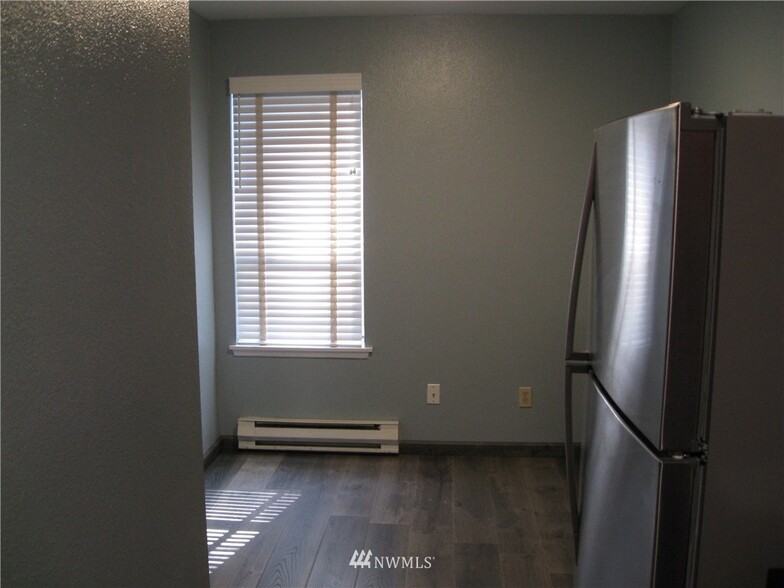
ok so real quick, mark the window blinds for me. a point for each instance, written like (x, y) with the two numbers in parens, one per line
(297, 157)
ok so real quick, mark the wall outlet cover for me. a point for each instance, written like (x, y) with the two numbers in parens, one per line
(434, 393)
(525, 397)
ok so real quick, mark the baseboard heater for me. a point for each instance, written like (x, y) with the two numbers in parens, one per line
(318, 435)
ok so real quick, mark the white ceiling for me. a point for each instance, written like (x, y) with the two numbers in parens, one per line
(253, 9)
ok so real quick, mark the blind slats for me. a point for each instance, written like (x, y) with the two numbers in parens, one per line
(298, 217)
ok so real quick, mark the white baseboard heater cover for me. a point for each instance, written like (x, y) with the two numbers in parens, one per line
(318, 435)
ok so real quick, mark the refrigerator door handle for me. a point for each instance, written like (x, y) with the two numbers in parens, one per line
(576, 361)
(577, 266)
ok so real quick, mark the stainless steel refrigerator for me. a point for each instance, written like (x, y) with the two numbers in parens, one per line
(681, 473)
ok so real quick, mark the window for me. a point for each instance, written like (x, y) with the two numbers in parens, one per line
(298, 240)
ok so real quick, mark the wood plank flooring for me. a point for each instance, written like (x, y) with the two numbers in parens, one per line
(298, 519)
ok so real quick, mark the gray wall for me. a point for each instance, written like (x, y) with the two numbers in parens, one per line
(478, 134)
(729, 55)
(202, 227)
(101, 468)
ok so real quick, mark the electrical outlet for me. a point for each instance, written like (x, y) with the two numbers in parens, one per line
(525, 397)
(434, 393)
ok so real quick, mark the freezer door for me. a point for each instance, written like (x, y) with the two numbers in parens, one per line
(654, 212)
(636, 516)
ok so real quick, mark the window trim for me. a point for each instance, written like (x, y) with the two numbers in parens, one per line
(301, 351)
(296, 84)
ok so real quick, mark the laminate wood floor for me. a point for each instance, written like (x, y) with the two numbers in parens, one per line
(301, 519)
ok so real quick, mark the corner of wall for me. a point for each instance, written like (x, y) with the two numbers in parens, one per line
(202, 227)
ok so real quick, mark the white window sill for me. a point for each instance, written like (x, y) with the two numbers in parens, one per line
(312, 352)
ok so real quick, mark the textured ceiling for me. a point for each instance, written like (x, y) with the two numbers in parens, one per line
(254, 9)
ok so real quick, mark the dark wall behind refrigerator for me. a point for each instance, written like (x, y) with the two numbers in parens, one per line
(729, 55)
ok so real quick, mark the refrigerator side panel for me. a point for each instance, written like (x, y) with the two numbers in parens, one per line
(743, 512)
(692, 273)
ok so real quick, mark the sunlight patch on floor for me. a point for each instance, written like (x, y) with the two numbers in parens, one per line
(239, 508)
